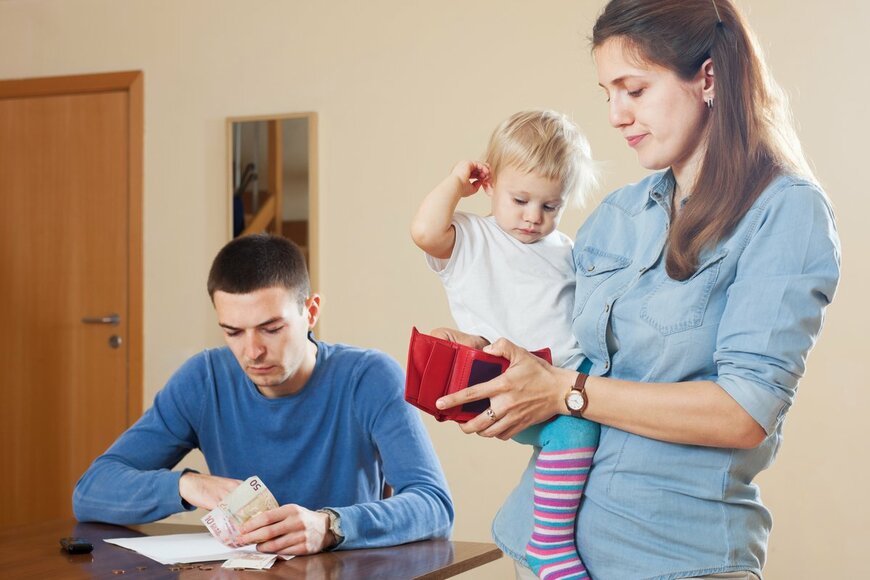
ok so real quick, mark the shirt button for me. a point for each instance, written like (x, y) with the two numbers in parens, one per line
(607, 308)
(606, 365)
(590, 268)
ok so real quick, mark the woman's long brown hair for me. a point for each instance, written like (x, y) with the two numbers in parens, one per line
(750, 135)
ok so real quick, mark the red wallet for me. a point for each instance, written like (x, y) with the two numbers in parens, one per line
(438, 367)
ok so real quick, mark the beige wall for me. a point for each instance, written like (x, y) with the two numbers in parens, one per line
(403, 90)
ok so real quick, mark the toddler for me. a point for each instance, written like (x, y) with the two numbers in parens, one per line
(511, 274)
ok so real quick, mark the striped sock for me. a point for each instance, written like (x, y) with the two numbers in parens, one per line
(560, 477)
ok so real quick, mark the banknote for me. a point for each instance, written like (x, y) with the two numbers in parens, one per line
(249, 499)
(250, 561)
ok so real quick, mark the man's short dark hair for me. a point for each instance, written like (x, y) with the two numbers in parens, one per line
(258, 261)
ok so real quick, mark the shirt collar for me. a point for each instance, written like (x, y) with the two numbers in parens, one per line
(662, 189)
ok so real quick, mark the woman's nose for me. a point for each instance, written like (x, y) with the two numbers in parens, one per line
(619, 114)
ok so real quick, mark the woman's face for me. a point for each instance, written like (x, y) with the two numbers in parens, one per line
(661, 116)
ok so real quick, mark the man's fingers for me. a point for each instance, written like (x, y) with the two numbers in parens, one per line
(286, 544)
(297, 542)
(228, 486)
(205, 491)
(260, 520)
(269, 533)
(265, 524)
(289, 529)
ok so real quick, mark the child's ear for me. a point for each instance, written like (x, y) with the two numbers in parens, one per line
(487, 188)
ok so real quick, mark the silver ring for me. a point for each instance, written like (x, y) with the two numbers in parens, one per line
(491, 414)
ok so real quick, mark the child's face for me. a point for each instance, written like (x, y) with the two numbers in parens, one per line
(527, 206)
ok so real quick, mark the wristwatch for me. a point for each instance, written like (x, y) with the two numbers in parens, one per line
(576, 400)
(334, 525)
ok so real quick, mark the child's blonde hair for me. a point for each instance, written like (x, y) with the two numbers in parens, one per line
(548, 143)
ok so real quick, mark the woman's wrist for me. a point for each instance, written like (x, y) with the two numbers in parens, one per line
(564, 380)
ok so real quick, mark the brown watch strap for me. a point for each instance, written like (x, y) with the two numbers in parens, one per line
(580, 385)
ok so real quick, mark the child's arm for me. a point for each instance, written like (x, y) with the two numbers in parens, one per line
(431, 229)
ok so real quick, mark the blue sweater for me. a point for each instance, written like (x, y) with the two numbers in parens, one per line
(333, 444)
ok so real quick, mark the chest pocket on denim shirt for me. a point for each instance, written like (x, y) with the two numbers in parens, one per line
(676, 306)
(594, 267)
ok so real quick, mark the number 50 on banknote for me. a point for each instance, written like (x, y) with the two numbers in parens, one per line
(246, 501)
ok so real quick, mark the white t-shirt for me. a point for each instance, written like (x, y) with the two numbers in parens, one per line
(500, 287)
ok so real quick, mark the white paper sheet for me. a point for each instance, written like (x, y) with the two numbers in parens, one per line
(181, 548)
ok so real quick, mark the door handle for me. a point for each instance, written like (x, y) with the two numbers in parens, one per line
(113, 319)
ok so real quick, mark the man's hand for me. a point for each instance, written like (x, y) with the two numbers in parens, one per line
(466, 339)
(205, 491)
(289, 529)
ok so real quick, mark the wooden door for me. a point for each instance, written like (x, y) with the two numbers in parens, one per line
(70, 249)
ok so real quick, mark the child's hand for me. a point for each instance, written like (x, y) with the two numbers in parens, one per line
(432, 229)
(454, 335)
(471, 175)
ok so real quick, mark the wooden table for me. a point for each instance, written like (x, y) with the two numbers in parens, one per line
(34, 551)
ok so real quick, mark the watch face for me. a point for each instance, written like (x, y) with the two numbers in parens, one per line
(575, 401)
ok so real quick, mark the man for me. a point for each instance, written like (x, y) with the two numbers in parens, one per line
(323, 425)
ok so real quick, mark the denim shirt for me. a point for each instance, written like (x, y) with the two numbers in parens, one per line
(746, 320)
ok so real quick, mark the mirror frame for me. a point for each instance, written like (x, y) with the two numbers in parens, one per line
(313, 185)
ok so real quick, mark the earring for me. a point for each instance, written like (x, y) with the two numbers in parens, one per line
(710, 103)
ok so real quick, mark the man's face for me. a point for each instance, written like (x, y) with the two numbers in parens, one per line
(268, 335)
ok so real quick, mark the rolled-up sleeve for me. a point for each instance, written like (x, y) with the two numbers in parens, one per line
(786, 276)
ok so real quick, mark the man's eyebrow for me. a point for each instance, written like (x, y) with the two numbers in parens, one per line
(264, 323)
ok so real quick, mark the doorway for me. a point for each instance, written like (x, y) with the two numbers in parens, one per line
(71, 262)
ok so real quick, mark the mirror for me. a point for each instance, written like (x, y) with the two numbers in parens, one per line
(273, 178)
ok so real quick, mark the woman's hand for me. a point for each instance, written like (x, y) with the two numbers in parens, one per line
(528, 392)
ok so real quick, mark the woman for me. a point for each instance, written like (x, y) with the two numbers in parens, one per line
(700, 291)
